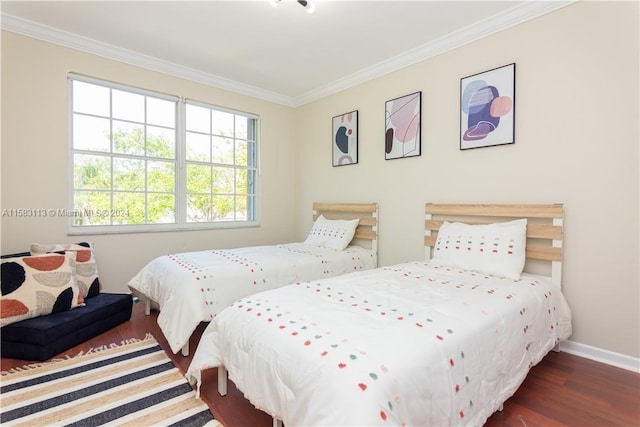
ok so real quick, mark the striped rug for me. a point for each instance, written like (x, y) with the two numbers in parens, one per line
(134, 384)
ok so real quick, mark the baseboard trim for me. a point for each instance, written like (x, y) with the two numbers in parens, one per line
(600, 355)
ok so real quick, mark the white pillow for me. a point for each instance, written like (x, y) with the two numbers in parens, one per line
(496, 249)
(332, 233)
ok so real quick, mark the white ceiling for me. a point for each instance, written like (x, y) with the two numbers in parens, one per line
(281, 54)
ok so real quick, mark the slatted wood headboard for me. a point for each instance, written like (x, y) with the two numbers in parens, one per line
(544, 227)
(367, 230)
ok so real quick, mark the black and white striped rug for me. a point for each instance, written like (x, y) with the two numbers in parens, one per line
(134, 384)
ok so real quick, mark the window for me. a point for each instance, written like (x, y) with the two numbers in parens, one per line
(149, 161)
(220, 164)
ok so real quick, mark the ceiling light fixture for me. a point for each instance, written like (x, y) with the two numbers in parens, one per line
(307, 4)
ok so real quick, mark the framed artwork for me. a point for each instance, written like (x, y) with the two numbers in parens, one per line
(402, 126)
(487, 108)
(345, 139)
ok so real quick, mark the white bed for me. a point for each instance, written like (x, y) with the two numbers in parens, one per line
(418, 343)
(193, 287)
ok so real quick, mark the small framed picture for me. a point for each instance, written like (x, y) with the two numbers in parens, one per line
(345, 139)
(487, 108)
(402, 126)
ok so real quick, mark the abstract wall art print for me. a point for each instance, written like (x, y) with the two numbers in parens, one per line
(402, 126)
(345, 139)
(487, 108)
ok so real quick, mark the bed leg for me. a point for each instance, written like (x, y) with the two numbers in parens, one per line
(147, 306)
(185, 349)
(222, 381)
(556, 348)
(277, 423)
(501, 407)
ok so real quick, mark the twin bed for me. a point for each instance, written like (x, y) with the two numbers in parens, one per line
(444, 341)
(193, 287)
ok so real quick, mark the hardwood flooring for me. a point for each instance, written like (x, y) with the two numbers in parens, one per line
(562, 390)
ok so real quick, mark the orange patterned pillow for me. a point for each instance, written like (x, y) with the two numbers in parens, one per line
(34, 286)
(86, 265)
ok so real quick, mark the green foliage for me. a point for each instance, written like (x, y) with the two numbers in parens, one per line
(136, 183)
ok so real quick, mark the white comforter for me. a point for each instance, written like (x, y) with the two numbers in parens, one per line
(413, 344)
(193, 287)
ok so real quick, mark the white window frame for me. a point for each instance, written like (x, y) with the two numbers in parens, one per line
(180, 168)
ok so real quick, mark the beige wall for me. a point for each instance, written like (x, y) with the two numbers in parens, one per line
(576, 143)
(35, 158)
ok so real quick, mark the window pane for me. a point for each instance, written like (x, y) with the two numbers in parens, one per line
(88, 203)
(198, 119)
(128, 208)
(161, 112)
(198, 147)
(241, 153)
(198, 208)
(161, 176)
(223, 208)
(241, 208)
(241, 127)
(90, 99)
(128, 106)
(222, 123)
(222, 151)
(242, 185)
(252, 130)
(91, 133)
(222, 181)
(128, 174)
(161, 208)
(91, 172)
(128, 138)
(161, 142)
(198, 179)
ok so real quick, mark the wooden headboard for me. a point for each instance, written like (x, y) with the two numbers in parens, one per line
(544, 228)
(367, 231)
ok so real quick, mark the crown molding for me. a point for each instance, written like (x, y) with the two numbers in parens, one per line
(510, 18)
(514, 16)
(87, 45)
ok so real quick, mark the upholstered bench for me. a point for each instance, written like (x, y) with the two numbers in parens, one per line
(52, 300)
(40, 338)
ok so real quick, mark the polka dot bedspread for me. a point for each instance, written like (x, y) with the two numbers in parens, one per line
(192, 287)
(411, 344)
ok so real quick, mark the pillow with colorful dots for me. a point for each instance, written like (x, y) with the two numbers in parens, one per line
(332, 233)
(497, 249)
(37, 285)
(86, 265)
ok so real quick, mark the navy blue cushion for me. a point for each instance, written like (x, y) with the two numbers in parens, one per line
(19, 254)
(42, 337)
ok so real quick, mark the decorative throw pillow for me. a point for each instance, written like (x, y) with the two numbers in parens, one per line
(332, 233)
(86, 265)
(37, 285)
(497, 249)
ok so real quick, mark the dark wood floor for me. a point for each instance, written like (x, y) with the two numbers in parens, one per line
(562, 390)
